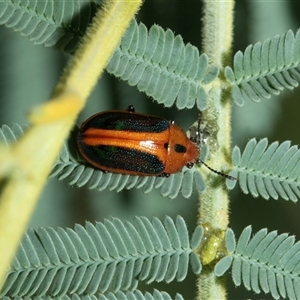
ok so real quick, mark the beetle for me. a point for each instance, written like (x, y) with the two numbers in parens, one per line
(132, 143)
(127, 142)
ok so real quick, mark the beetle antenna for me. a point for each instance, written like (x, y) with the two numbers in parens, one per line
(217, 172)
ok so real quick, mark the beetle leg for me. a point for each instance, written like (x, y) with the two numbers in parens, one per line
(130, 108)
(189, 165)
(164, 175)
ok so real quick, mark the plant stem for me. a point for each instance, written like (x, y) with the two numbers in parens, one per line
(213, 210)
(25, 168)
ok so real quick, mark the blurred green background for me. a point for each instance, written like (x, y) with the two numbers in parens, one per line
(29, 73)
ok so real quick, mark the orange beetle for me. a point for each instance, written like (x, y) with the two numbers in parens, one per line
(126, 142)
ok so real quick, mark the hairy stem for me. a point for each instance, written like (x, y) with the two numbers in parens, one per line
(24, 169)
(213, 209)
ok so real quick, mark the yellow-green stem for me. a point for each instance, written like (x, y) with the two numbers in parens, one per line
(213, 209)
(25, 167)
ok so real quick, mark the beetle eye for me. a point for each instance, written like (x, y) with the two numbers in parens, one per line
(180, 148)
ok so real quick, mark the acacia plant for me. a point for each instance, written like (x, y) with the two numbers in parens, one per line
(110, 259)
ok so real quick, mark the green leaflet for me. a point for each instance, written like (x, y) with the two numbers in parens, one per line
(92, 259)
(265, 69)
(136, 295)
(266, 262)
(52, 23)
(162, 66)
(269, 171)
(155, 61)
